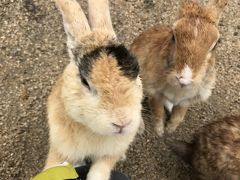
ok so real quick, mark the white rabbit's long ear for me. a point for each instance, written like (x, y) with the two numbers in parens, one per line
(75, 21)
(215, 8)
(99, 17)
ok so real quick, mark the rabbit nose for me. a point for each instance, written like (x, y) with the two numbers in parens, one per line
(121, 126)
(183, 81)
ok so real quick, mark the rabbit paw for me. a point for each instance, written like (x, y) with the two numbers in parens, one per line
(171, 127)
(97, 175)
(159, 128)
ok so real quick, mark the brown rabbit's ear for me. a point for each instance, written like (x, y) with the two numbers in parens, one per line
(75, 21)
(189, 8)
(181, 149)
(215, 8)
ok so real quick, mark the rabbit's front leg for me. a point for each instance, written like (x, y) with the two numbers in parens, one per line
(177, 116)
(53, 159)
(157, 106)
(101, 168)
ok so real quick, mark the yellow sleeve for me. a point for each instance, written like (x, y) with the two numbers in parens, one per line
(57, 173)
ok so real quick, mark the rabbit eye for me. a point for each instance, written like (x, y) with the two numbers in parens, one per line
(169, 61)
(84, 82)
(214, 47)
(173, 38)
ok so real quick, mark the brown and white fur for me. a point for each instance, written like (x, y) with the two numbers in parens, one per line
(94, 109)
(214, 152)
(177, 62)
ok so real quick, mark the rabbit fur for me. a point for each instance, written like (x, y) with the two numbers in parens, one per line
(214, 152)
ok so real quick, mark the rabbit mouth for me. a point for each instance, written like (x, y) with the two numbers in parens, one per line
(120, 131)
(179, 85)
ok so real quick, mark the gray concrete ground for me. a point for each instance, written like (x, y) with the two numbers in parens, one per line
(33, 53)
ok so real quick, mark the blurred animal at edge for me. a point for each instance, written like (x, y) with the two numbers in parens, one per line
(214, 152)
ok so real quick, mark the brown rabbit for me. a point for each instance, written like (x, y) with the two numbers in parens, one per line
(177, 62)
(214, 153)
(94, 109)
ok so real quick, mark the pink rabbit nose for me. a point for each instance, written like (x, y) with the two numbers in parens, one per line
(185, 77)
(120, 127)
(183, 81)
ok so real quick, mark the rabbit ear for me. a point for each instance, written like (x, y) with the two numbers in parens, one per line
(215, 8)
(99, 17)
(189, 7)
(75, 22)
(181, 149)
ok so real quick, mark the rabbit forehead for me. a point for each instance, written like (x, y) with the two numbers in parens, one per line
(115, 88)
(126, 62)
(195, 28)
(194, 40)
(195, 35)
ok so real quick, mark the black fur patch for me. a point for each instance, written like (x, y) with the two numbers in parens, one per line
(86, 61)
(126, 61)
